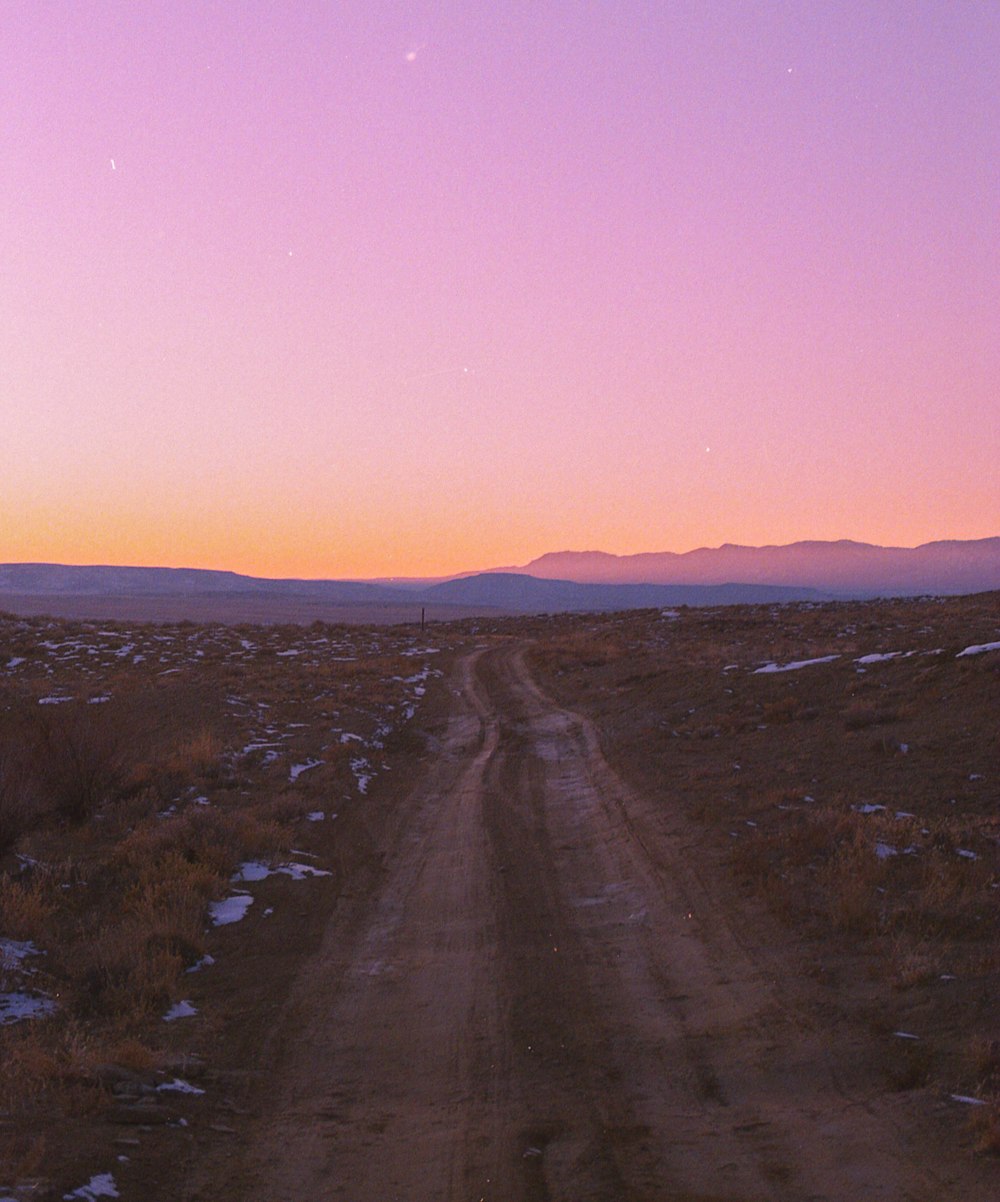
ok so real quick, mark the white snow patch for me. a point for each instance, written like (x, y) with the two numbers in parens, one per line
(964, 1098)
(795, 665)
(978, 649)
(178, 1086)
(257, 870)
(296, 770)
(878, 657)
(13, 951)
(885, 850)
(181, 1009)
(205, 962)
(15, 1007)
(315, 816)
(15, 660)
(869, 808)
(230, 909)
(966, 854)
(53, 700)
(102, 1185)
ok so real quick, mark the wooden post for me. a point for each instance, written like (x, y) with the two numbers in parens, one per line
(421, 617)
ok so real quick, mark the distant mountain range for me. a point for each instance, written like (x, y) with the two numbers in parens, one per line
(576, 580)
(844, 567)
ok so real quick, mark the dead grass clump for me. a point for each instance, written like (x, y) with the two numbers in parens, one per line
(984, 1123)
(27, 906)
(213, 838)
(983, 1056)
(198, 756)
(78, 758)
(19, 807)
(122, 973)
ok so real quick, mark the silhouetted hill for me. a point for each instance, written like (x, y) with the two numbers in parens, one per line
(844, 567)
(529, 594)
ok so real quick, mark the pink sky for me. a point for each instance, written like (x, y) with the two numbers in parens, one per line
(356, 289)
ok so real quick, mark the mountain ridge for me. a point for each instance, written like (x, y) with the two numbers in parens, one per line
(562, 581)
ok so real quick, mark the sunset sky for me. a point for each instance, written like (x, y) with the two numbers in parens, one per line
(365, 288)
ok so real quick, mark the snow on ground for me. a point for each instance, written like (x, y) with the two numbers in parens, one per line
(257, 870)
(178, 1086)
(296, 770)
(795, 665)
(181, 1009)
(100, 1186)
(14, 951)
(15, 1007)
(230, 909)
(978, 649)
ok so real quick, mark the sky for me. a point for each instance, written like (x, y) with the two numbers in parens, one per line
(368, 289)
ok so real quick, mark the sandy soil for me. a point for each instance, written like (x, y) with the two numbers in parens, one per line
(543, 993)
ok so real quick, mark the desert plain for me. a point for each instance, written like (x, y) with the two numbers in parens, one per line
(693, 904)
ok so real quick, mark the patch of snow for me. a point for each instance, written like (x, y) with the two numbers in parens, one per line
(869, 808)
(315, 816)
(13, 951)
(885, 850)
(178, 1086)
(205, 962)
(16, 1007)
(181, 1009)
(905, 1035)
(362, 773)
(100, 1186)
(878, 657)
(15, 660)
(256, 870)
(252, 870)
(230, 909)
(53, 700)
(978, 649)
(794, 665)
(299, 872)
(296, 770)
(966, 1100)
(966, 854)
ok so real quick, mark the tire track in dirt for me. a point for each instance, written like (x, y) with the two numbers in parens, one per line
(546, 1003)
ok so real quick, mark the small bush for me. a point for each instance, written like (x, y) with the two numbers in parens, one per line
(19, 809)
(79, 759)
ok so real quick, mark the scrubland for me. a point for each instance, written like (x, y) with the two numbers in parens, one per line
(140, 767)
(858, 797)
(153, 778)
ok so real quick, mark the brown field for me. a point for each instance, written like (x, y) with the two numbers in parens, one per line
(605, 912)
(230, 609)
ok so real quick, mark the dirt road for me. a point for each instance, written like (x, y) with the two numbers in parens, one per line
(545, 1000)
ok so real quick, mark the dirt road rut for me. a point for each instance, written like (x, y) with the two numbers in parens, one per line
(546, 1001)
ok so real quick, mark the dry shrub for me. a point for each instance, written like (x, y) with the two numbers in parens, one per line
(198, 756)
(27, 906)
(983, 1055)
(30, 1067)
(19, 808)
(214, 838)
(985, 1125)
(123, 973)
(78, 758)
